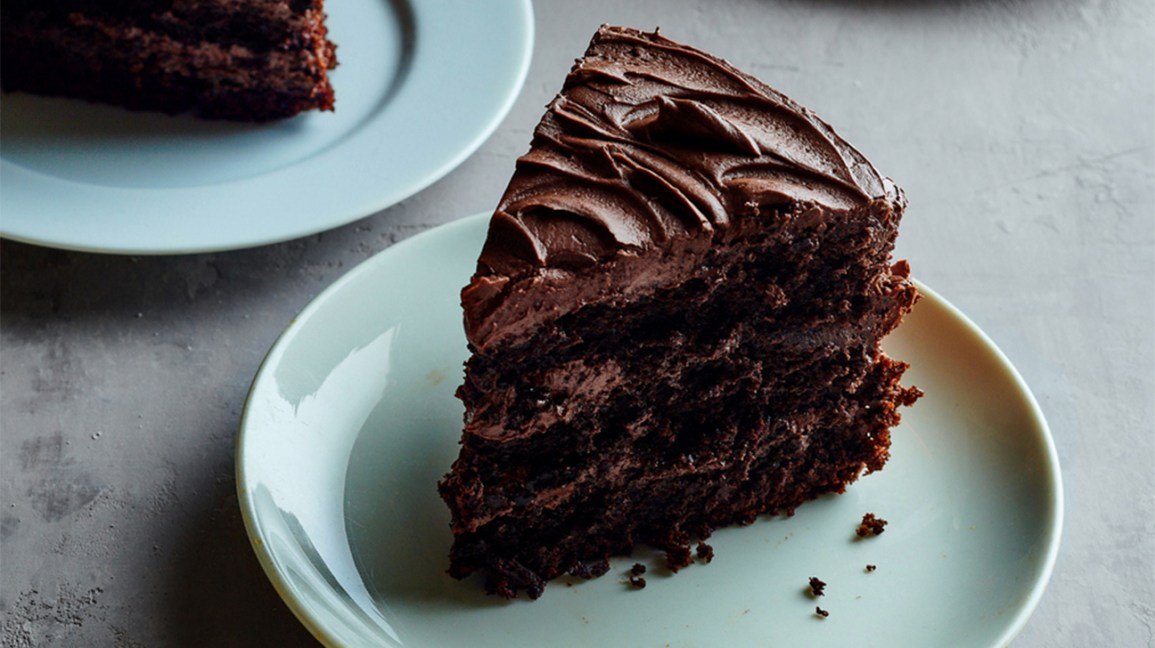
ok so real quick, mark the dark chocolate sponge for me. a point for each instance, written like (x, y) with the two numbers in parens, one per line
(675, 320)
(245, 60)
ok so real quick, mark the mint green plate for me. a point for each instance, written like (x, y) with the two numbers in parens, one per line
(420, 85)
(352, 420)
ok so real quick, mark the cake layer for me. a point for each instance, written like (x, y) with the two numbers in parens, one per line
(781, 464)
(514, 404)
(226, 60)
(789, 289)
(802, 255)
(259, 25)
(728, 413)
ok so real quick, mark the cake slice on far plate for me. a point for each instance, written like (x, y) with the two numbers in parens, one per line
(675, 320)
(256, 60)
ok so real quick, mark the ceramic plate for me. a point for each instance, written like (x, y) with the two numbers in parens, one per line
(352, 420)
(420, 85)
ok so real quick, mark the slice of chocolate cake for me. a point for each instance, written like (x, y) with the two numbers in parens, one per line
(250, 60)
(675, 320)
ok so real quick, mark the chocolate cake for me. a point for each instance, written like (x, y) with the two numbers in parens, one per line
(674, 322)
(246, 60)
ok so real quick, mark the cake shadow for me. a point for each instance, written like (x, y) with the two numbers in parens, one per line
(32, 120)
(218, 594)
(103, 145)
(138, 295)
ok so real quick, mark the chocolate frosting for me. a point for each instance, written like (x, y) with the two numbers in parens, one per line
(651, 144)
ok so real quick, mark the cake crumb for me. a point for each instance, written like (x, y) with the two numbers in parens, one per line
(705, 552)
(870, 568)
(820, 612)
(635, 576)
(678, 557)
(817, 587)
(871, 525)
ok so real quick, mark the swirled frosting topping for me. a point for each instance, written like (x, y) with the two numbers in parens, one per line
(652, 153)
(650, 140)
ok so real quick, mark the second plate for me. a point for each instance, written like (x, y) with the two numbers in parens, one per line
(420, 85)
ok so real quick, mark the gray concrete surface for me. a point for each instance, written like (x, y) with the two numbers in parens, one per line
(1022, 131)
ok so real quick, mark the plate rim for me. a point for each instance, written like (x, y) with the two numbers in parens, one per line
(1054, 471)
(25, 229)
(309, 619)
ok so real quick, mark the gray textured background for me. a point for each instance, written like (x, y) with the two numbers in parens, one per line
(1021, 130)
